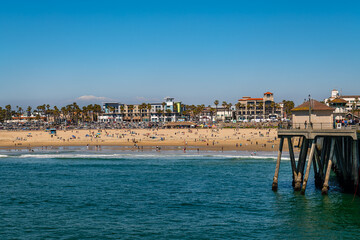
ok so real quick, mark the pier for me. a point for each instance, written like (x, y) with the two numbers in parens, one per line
(324, 150)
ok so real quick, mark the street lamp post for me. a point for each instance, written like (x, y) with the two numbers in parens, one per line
(310, 111)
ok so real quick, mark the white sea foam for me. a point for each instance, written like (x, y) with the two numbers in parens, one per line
(174, 155)
(3, 156)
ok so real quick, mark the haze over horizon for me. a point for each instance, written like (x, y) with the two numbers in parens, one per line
(58, 52)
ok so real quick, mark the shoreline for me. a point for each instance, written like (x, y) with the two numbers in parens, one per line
(147, 148)
(123, 152)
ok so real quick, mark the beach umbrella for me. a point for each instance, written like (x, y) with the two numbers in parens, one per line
(73, 136)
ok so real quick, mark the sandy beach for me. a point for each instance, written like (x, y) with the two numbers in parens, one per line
(208, 139)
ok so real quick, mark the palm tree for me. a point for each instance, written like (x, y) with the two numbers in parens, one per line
(229, 108)
(163, 110)
(212, 111)
(159, 113)
(2, 114)
(191, 111)
(111, 109)
(260, 107)
(46, 111)
(41, 109)
(122, 109)
(216, 102)
(97, 110)
(56, 113)
(224, 105)
(199, 109)
(131, 108)
(272, 105)
(148, 107)
(356, 101)
(8, 112)
(69, 112)
(64, 113)
(141, 108)
(237, 109)
(182, 107)
(20, 111)
(28, 110)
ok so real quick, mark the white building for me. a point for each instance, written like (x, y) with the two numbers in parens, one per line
(353, 101)
(223, 114)
(168, 111)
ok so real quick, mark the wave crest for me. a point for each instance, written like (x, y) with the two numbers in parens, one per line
(147, 156)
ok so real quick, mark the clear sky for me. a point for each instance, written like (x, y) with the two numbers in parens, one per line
(196, 51)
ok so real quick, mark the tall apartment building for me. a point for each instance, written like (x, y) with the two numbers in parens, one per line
(167, 111)
(249, 108)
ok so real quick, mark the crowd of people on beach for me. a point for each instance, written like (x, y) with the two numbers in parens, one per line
(192, 138)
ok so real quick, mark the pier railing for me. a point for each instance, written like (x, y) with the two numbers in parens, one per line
(318, 126)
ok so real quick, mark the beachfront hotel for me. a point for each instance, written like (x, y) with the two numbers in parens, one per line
(263, 108)
(167, 111)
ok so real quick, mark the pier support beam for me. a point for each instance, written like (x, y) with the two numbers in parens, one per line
(319, 172)
(325, 188)
(312, 151)
(301, 164)
(292, 159)
(355, 163)
(336, 150)
(276, 175)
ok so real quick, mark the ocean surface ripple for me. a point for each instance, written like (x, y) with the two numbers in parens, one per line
(167, 195)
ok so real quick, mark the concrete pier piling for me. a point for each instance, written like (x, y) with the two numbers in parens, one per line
(311, 156)
(324, 150)
(276, 175)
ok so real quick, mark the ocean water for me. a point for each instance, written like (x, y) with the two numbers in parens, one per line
(111, 194)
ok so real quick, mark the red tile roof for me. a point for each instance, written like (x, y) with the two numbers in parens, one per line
(351, 96)
(315, 105)
(268, 93)
(251, 99)
(338, 100)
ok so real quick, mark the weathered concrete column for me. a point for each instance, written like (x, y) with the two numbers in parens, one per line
(312, 151)
(297, 186)
(325, 188)
(276, 175)
(355, 163)
(301, 164)
(292, 160)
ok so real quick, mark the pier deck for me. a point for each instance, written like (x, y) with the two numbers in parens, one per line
(313, 133)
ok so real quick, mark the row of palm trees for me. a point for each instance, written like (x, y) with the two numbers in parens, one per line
(73, 113)
(70, 113)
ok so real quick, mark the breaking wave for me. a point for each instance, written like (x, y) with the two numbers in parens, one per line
(119, 156)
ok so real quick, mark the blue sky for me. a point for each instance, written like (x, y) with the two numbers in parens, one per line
(196, 51)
